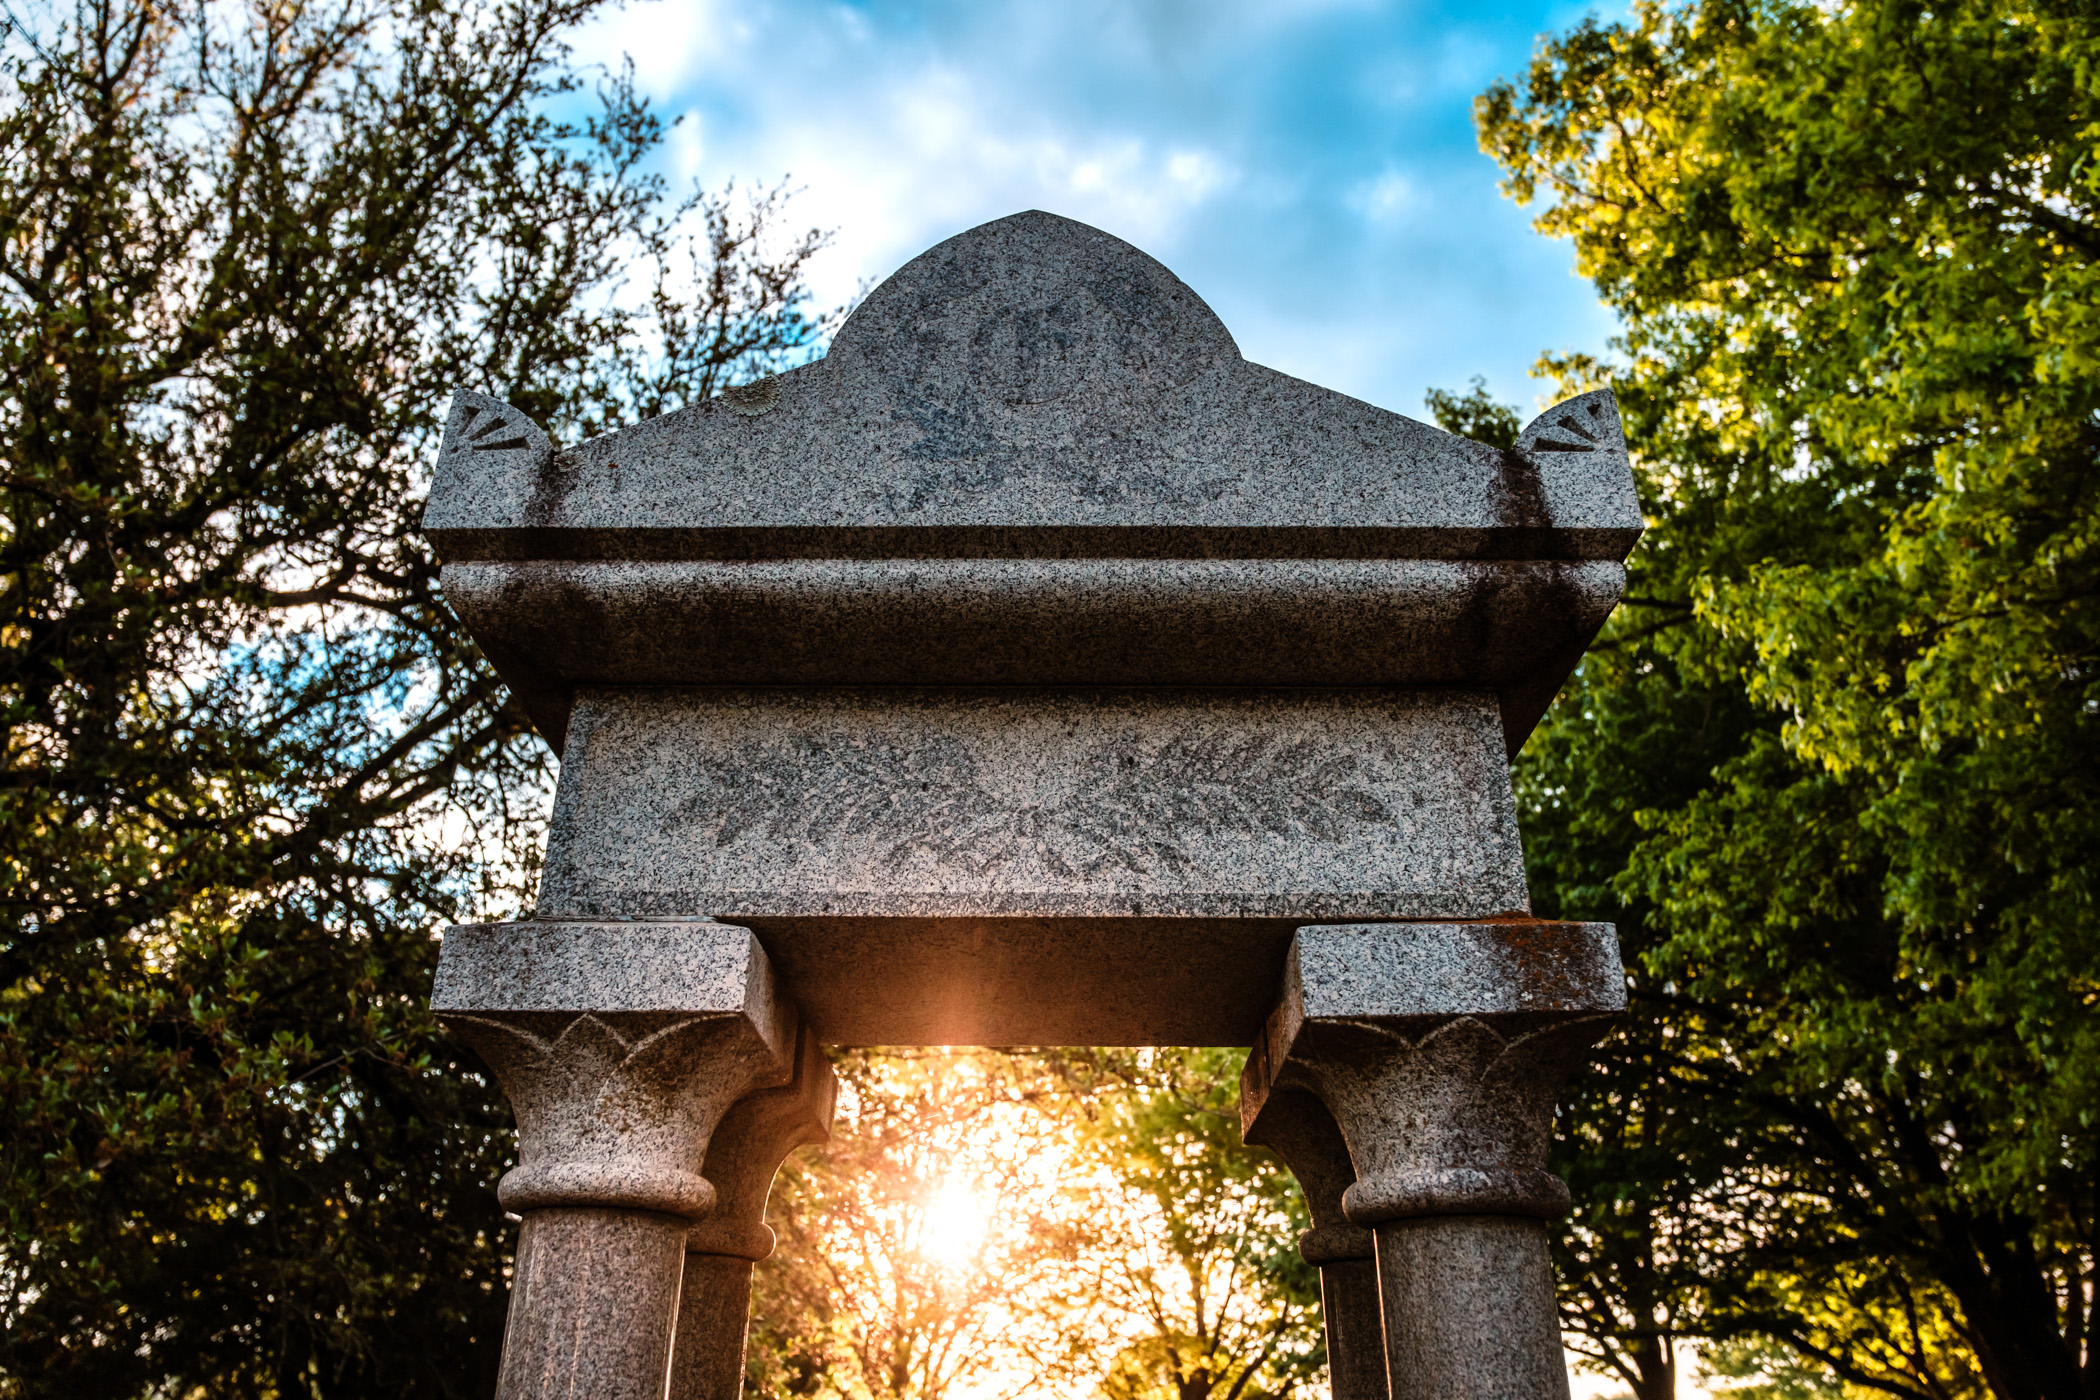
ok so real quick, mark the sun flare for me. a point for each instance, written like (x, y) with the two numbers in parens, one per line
(958, 1217)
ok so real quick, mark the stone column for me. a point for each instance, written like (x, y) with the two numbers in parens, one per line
(746, 1151)
(620, 1045)
(1298, 1128)
(1439, 1049)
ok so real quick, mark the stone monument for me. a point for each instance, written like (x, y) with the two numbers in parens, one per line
(1032, 669)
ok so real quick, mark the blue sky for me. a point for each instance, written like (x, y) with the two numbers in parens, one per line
(1309, 168)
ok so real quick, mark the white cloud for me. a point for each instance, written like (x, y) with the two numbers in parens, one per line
(1310, 170)
(685, 148)
(669, 41)
(1385, 198)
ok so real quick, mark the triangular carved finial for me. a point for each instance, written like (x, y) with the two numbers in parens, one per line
(1587, 423)
(477, 425)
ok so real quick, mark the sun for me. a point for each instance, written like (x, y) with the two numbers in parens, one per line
(958, 1217)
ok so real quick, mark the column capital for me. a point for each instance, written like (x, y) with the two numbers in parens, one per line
(747, 1148)
(1297, 1127)
(1439, 1048)
(620, 1046)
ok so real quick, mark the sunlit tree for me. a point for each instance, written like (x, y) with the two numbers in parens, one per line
(1078, 1222)
(934, 1246)
(1196, 1254)
(1834, 768)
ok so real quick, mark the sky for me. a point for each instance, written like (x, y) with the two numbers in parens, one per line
(1307, 166)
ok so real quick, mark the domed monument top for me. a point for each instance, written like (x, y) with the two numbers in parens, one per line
(1030, 310)
(1033, 387)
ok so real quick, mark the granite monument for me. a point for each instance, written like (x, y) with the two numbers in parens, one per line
(1032, 669)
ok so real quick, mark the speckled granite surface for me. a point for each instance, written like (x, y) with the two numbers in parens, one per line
(620, 1047)
(1034, 387)
(1439, 1049)
(1033, 456)
(1006, 866)
(557, 625)
(1298, 1128)
(1031, 670)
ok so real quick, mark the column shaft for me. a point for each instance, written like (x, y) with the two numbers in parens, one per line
(1356, 1351)
(1469, 1309)
(591, 1303)
(714, 1315)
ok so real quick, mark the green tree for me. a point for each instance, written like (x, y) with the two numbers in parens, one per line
(1475, 414)
(1119, 1239)
(1198, 1252)
(246, 253)
(1835, 766)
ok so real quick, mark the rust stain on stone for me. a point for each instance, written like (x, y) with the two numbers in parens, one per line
(551, 486)
(1520, 494)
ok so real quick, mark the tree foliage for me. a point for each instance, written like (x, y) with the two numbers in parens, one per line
(1834, 768)
(1475, 414)
(1200, 1249)
(933, 1245)
(1036, 1222)
(246, 253)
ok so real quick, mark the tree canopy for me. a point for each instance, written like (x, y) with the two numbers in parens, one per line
(1834, 766)
(1036, 1222)
(246, 254)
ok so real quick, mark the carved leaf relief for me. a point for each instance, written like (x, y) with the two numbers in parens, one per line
(1125, 812)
